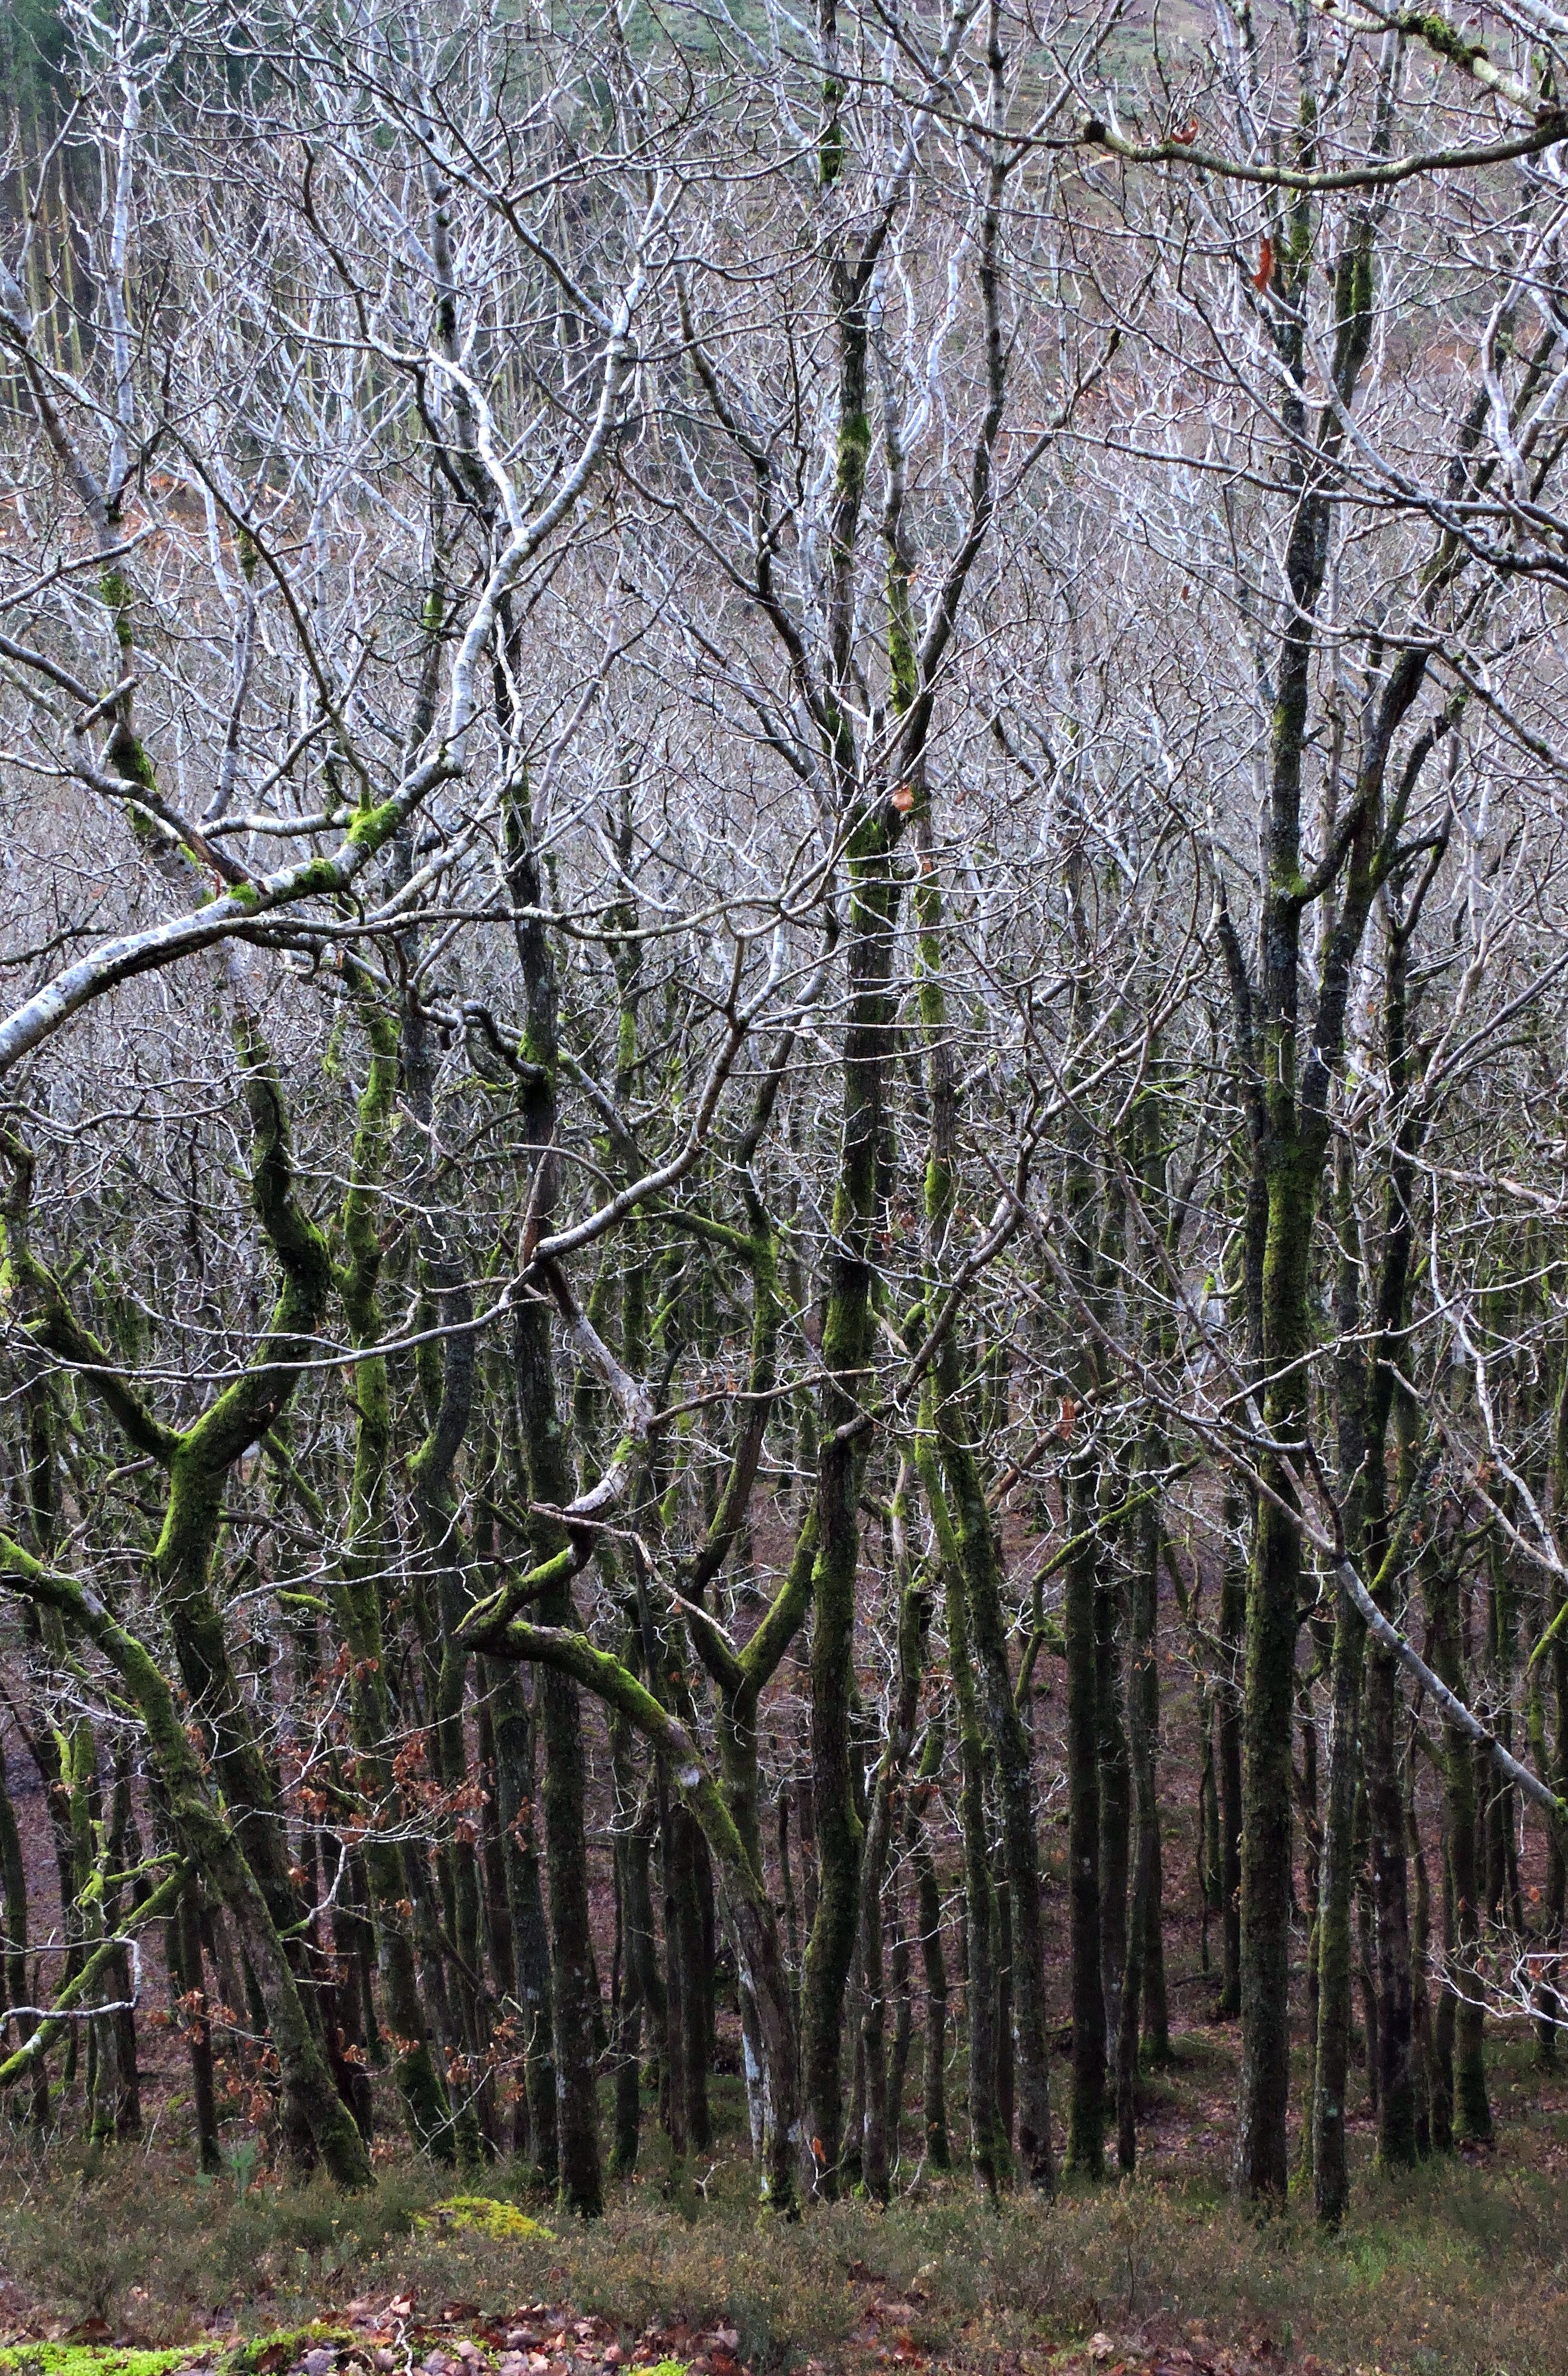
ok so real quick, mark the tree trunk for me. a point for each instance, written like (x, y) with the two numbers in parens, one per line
(984, 2143)
(547, 1482)
(515, 1772)
(755, 1927)
(1005, 2060)
(1115, 1784)
(1085, 2112)
(1396, 2009)
(1143, 1611)
(845, 1342)
(187, 1980)
(316, 2113)
(573, 1996)
(1336, 1882)
(1462, 2001)
(914, 1622)
(626, 2031)
(928, 1916)
(1228, 1695)
(1273, 1595)
(1012, 1751)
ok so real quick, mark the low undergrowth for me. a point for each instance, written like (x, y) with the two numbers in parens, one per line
(1459, 2268)
(1455, 2269)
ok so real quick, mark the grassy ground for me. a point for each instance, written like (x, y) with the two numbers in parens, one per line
(1462, 2267)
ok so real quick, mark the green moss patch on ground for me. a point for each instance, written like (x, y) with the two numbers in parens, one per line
(484, 2215)
(265, 2355)
(89, 2359)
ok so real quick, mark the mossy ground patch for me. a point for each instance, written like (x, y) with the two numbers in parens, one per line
(89, 2359)
(265, 2355)
(484, 2215)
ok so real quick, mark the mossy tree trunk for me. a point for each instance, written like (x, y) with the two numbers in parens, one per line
(202, 1833)
(357, 1593)
(1144, 1959)
(986, 2153)
(516, 1768)
(1338, 1859)
(548, 1480)
(1082, 1586)
(756, 1925)
(1227, 1751)
(188, 1985)
(934, 1962)
(914, 1624)
(1289, 1063)
(1463, 2001)
(199, 1461)
(846, 1345)
(1390, 1409)
(977, 1548)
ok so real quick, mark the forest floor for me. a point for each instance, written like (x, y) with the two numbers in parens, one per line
(1461, 2268)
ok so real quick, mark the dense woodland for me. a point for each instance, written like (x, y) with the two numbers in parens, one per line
(785, 1017)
